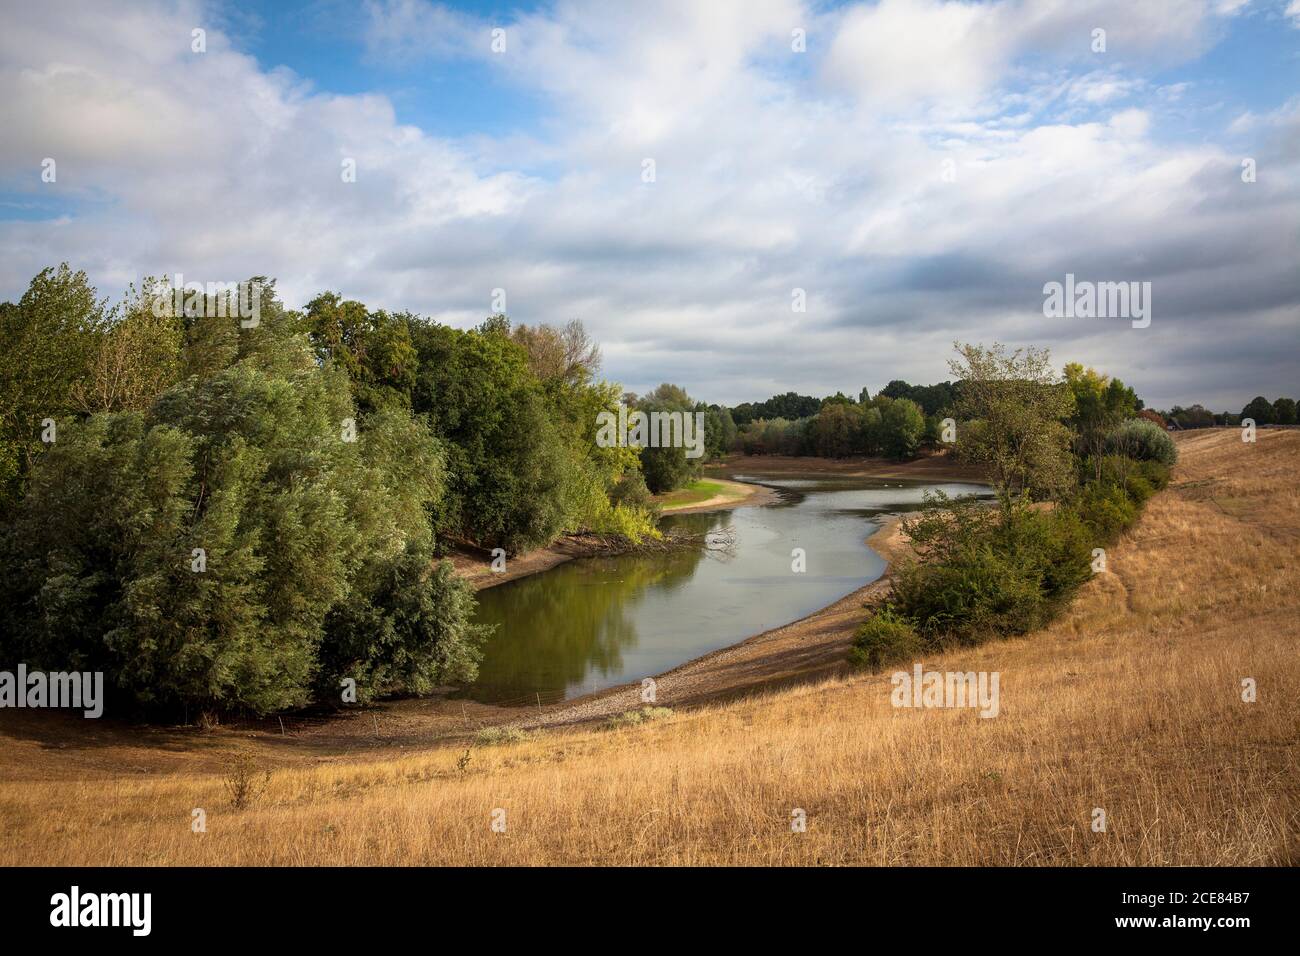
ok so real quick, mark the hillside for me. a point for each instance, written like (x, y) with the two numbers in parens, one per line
(1131, 702)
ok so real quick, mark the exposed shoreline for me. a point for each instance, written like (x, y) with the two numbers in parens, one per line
(810, 648)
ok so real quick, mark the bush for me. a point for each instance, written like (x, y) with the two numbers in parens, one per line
(1142, 440)
(987, 572)
(493, 736)
(630, 718)
(885, 638)
(1106, 509)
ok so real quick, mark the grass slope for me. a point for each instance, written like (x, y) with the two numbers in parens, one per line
(1131, 702)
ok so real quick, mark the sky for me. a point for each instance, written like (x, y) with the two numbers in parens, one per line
(741, 197)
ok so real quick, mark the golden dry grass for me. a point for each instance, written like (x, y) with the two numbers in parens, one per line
(1131, 702)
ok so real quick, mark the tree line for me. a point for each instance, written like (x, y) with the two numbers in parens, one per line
(252, 515)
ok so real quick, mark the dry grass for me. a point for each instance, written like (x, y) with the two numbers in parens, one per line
(1131, 702)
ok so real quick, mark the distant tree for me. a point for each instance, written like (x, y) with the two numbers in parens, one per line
(1152, 416)
(668, 468)
(1100, 405)
(1260, 409)
(719, 431)
(902, 428)
(1284, 411)
(789, 406)
(837, 429)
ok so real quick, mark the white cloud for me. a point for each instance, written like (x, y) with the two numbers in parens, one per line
(775, 170)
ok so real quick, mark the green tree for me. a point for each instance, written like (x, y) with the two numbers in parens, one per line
(1011, 413)
(668, 468)
(902, 427)
(1260, 409)
(1284, 412)
(237, 545)
(373, 348)
(51, 338)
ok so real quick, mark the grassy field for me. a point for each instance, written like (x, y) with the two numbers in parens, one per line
(698, 492)
(1130, 703)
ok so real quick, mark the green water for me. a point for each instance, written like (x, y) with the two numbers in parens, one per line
(597, 622)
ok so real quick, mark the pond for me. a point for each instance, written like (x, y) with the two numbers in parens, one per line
(593, 623)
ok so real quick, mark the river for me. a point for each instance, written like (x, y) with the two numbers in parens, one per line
(593, 623)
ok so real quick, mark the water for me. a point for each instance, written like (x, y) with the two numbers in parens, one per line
(593, 623)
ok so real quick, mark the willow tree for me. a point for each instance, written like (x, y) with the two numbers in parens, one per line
(1011, 411)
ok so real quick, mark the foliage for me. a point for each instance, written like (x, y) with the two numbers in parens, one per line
(885, 638)
(667, 468)
(373, 348)
(989, 572)
(230, 547)
(51, 338)
(1142, 440)
(902, 427)
(1260, 409)
(1011, 415)
(1284, 411)
(787, 406)
(1101, 404)
(934, 400)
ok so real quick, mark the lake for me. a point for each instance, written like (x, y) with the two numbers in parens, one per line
(593, 623)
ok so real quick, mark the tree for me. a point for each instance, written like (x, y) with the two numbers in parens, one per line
(1260, 409)
(1284, 411)
(1011, 411)
(237, 544)
(1100, 405)
(837, 429)
(668, 468)
(374, 348)
(902, 427)
(137, 357)
(565, 355)
(51, 339)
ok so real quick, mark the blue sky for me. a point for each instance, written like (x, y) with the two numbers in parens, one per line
(918, 172)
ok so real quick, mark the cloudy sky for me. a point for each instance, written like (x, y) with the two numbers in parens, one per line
(918, 169)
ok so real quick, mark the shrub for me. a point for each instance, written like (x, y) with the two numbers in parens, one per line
(492, 736)
(1143, 440)
(991, 572)
(885, 638)
(630, 718)
(1106, 509)
(245, 780)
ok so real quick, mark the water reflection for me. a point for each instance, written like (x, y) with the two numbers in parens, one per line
(593, 623)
